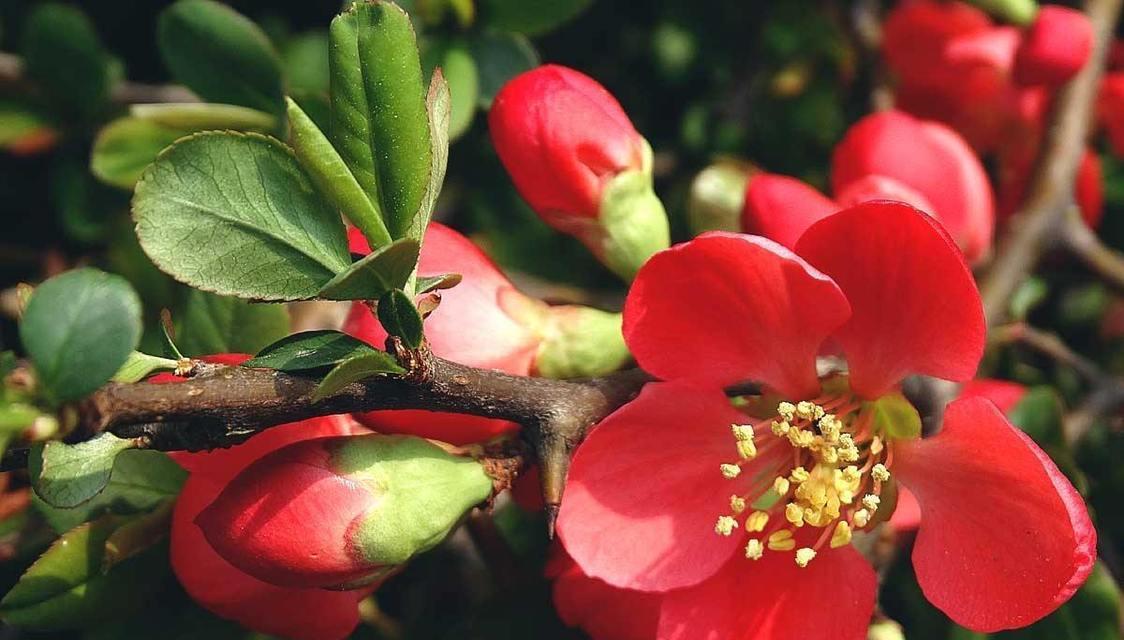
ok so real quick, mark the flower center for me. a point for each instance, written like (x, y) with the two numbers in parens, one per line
(833, 480)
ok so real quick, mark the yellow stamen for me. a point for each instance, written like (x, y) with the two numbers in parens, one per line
(794, 513)
(880, 473)
(747, 450)
(737, 504)
(725, 525)
(782, 541)
(730, 471)
(871, 502)
(804, 556)
(798, 475)
(781, 429)
(841, 537)
(876, 445)
(787, 410)
(861, 518)
(756, 521)
(781, 485)
(754, 549)
(742, 432)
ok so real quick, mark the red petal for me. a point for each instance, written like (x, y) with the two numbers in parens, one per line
(907, 513)
(875, 187)
(773, 599)
(1004, 539)
(915, 34)
(478, 324)
(288, 519)
(1055, 47)
(915, 305)
(602, 611)
(929, 158)
(1090, 189)
(1002, 393)
(301, 614)
(724, 308)
(645, 490)
(782, 208)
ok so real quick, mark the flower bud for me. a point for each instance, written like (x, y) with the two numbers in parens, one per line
(782, 208)
(580, 342)
(718, 196)
(1054, 48)
(341, 512)
(575, 157)
(932, 160)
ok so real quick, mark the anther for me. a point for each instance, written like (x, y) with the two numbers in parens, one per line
(725, 525)
(880, 473)
(754, 549)
(730, 471)
(794, 513)
(747, 450)
(756, 521)
(841, 537)
(798, 475)
(781, 485)
(742, 432)
(781, 429)
(786, 410)
(781, 541)
(737, 504)
(861, 518)
(804, 556)
(871, 502)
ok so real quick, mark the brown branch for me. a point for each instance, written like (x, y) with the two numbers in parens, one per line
(224, 406)
(1043, 217)
(1051, 346)
(1106, 398)
(123, 93)
(1083, 243)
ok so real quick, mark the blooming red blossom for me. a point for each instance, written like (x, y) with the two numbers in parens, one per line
(782, 208)
(928, 158)
(1055, 47)
(741, 517)
(482, 322)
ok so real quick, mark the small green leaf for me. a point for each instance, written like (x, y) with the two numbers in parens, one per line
(126, 146)
(66, 475)
(894, 416)
(16, 416)
(380, 126)
(1039, 414)
(78, 329)
(141, 481)
(382, 270)
(199, 116)
(355, 369)
(499, 58)
(332, 177)
(460, 72)
(1031, 293)
(530, 17)
(64, 56)
(221, 55)
(235, 214)
(437, 104)
(139, 365)
(207, 323)
(400, 317)
(68, 588)
(434, 283)
(310, 350)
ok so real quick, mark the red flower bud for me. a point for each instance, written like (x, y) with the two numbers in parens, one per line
(782, 208)
(1055, 47)
(932, 160)
(562, 137)
(341, 512)
(482, 322)
(303, 614)
(578, 161)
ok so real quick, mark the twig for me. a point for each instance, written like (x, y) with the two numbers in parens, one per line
(1080, 240)
(1103, 400)
(1049, 345)
(12, 75)
(1051, 195)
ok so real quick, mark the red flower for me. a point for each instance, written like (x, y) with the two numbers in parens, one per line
(562, 137)
(928, 158)
(601, 610)
(662, 498)
(1055, 47)
(482, 322)
(782, 208)
(1004, 394)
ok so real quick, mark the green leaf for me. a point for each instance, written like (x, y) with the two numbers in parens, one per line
(139, 365)
(78, 329)
(380, 124)
(332, 177)
(221, 55)
(437, 104)
(126, 146)
(206, 324)
(1039, 414)
(894, 416)
(499, 58)
(310, 350)
(459, 68)
(530, 17)
(355, 369)
(1031, 293)
(305, 59)
(434, 283)
(68, 587)
(235, 214)
(140, 482)
(64, 56)
(17, 122)
(400, 317)
(199, 116)
(66, 475)
(380, 271)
